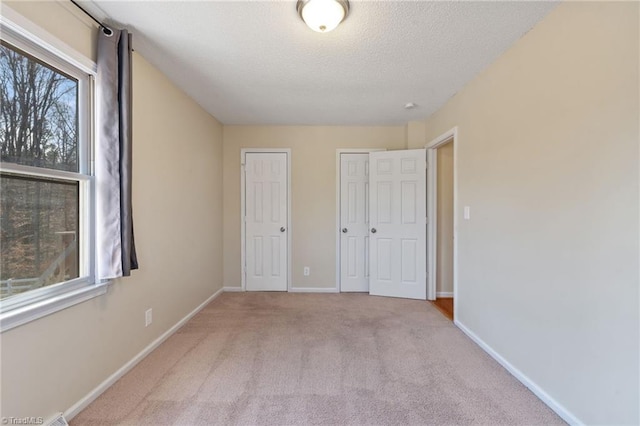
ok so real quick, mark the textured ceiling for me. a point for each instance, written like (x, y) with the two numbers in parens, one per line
(251, 62)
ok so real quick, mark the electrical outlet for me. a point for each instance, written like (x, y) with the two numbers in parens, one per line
(306, 271)
(148, 317)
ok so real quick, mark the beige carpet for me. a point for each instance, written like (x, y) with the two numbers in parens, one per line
(334, 359)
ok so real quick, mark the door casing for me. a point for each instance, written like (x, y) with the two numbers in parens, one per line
(243, 247)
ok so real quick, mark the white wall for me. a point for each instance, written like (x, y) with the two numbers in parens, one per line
(48, 365)
(548, 162)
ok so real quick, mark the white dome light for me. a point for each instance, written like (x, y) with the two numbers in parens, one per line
(323, 15)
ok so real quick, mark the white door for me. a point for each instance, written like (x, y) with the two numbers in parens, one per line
(354, 222)
(398, 223)
(266, 242)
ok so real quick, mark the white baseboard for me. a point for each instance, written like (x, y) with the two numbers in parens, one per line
(292, 290)
(232, 289)
(313, 290)
(95, 393)
(444, 294)
(560, 410)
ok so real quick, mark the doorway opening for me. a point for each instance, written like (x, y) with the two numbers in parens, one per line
(441, 195)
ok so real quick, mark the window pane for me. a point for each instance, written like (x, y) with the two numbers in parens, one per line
(38, 113)
(39, 233)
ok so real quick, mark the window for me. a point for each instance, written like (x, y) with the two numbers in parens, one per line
(46, 188)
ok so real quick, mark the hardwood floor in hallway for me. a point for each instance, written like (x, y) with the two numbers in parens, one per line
(444, 305)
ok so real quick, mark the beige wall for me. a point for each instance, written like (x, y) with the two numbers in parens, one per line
(51, 363)
(416, 134)
(313, 163)
(444, 253)
(548, 162)
(63, 20)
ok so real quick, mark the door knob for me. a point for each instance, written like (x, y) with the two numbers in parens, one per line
(374, 230)
(282, 229)
(344, 230)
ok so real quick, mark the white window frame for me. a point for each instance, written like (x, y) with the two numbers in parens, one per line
(34, 304)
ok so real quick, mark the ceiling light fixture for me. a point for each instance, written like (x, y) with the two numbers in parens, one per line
(323, 15)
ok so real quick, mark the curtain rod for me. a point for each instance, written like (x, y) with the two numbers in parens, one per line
(108, 31)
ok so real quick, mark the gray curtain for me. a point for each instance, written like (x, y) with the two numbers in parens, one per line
(116, 253)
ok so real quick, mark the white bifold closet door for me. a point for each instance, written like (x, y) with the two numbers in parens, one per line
(397, 227)
(354, 222)
(266, 241)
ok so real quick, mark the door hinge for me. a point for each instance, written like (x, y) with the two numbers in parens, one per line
(426, 220)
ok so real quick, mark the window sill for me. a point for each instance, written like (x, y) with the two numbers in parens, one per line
(34, 311)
